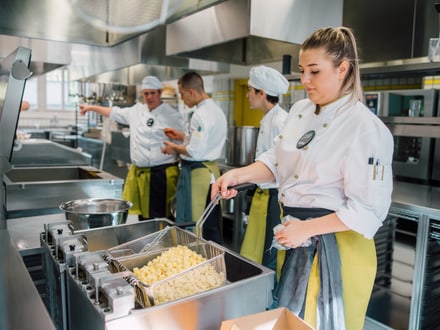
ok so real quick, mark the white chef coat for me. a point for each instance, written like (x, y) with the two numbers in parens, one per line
(270, 127)
(333, 170)
(207, 134)
(146, 142)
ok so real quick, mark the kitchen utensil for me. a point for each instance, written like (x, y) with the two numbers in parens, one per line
(96, 212)
(213, 203)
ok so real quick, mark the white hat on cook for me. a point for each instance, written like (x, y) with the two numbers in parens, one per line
(268, 79)
(151, 82)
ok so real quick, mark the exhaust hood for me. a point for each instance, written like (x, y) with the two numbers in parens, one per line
(248, 32)
(60, 37)
(128, 62)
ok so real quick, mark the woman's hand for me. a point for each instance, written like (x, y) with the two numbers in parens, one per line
(294, 234)
(221, 185)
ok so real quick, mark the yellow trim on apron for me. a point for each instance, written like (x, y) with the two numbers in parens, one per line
(200, 184)
(358, 268)
(137, 189)
(254, 237)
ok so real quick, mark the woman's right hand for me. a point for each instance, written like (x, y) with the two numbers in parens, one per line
(222, 183)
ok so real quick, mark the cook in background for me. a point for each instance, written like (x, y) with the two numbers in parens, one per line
(152, 178)
(199, 153)
(265, 85)
(333, 165)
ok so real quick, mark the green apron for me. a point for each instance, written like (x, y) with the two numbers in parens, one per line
(264, 215)
(143, 185)
(358, 263)
(193, 196)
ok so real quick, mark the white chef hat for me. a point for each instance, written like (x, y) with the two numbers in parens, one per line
(268, 79)
(151, 82)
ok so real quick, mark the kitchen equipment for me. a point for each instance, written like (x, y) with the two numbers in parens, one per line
(240, 145)
(13, 74)
(412, 157)
(247, 291)
(60, 243)
(435, 176)
(148, 295)
(42, 189)
(42, 152)
(414, 108)
(96, 212)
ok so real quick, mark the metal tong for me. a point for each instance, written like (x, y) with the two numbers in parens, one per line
(213, 203)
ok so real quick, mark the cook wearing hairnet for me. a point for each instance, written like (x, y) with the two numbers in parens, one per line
(152, 178)
(264, 89)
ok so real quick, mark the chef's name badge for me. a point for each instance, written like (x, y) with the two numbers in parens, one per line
(305, 139)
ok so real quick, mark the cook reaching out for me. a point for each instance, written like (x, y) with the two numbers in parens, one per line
(332, 162)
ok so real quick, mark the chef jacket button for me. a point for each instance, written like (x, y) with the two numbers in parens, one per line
(276, 164)
(300, 116)
(296, 176)
(325, 125)
(305, 147)
(282, 195)
(280, 136)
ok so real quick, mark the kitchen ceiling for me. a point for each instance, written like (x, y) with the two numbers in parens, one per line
(65, 33)
(202, 35)
(71, 21)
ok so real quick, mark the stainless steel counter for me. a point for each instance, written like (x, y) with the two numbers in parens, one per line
(20, 304)
(415, 209)
(416, 198)
(25, 232)
(22, 235)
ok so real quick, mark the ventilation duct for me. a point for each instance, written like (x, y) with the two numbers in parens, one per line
(247, 32)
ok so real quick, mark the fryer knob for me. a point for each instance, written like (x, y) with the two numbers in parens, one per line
(60, 231)
(72, 247)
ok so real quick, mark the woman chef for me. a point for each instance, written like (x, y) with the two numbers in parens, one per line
(333, 165)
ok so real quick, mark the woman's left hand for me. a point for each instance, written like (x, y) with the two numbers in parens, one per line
(294, 234)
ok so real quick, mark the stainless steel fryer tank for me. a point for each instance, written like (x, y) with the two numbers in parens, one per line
(38, 188)
(100, 297)
(59, 242)
(248, 290)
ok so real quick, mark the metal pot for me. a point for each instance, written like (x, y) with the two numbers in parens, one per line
(241, 144)
(96, 212)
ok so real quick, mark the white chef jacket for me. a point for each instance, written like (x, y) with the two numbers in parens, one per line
(270, 127)
(345, 168)
(207, 134)
(146, 142)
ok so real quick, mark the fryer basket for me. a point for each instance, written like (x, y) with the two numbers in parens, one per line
(139, 252)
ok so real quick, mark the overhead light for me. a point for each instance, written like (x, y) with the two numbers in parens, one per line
(130, 16)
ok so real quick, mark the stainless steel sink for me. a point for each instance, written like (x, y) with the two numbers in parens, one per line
(38, 188)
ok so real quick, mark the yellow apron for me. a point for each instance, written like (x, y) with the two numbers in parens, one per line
(137, 189)
(200, 184)
(253, 241)
(358, 267)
